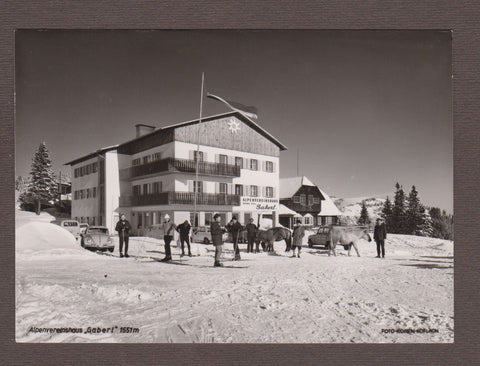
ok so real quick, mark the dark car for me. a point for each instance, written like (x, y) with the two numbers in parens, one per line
(98, 238)
(322, 237)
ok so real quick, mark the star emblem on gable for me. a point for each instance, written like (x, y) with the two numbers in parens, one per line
(234, 126)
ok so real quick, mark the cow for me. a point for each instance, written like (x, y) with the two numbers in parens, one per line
(274, 234)
(348, 237)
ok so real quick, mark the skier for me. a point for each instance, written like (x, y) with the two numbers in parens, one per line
(379, 235)
(184, 230)
(123, 228)
(234, 228)
(217, 239)
(251, 236)
(168, 230)
(298, 234)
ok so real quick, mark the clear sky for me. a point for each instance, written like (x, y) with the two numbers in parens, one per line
(364, 109)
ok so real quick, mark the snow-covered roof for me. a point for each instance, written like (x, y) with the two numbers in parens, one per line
(288, 186)
(328, 206)
(284, 210)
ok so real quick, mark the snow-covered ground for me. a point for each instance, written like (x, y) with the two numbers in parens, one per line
(263, 298)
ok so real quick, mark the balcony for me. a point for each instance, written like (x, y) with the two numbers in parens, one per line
(181, 198)
(174, 165)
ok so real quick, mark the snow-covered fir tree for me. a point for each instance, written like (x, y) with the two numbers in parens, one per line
(414, 215)
(387, 214)
(398, 211)
(42, 187)
(364, 219)
(425, 227)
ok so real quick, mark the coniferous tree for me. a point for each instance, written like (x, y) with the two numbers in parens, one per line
(442, 224)
(364, 219)
(414, 215)
(398, 211)
(387, 214)
(425, 227)
(42, 187)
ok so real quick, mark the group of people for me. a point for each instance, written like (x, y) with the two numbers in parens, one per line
(234, 228)
(123, 228)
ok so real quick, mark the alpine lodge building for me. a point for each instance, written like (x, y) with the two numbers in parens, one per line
(236, 161)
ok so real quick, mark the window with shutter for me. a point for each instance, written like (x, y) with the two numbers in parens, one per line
(303, 199)
(254, 191)
(253, 164)
(223, 188)
(239, 189)
(223, 159)
(269, 166)
(239, 161)
(296, 199)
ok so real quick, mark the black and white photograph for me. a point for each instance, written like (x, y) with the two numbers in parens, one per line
(234, 186)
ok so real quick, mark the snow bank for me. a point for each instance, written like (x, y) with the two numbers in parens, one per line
(35, 240)
(25, 217)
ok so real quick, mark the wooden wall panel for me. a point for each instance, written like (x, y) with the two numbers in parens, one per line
(218, 133)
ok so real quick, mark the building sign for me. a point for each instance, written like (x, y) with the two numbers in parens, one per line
(259, 204)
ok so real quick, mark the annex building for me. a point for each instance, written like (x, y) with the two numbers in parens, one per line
(301, 199)
(155, 174)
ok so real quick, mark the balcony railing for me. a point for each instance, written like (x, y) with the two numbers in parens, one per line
(182, 198)
(182, 166)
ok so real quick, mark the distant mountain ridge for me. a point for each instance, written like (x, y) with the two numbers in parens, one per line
(351, 207)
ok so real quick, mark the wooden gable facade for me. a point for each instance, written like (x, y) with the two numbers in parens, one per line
(307, 199)
(228, 133)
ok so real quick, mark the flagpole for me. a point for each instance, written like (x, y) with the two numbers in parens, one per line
(197, 159)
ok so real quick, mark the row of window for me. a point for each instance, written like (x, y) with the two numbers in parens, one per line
(85, 193)
(86, 170)
(147, 188)
(306, 200)
(252, 164)
(89, 220)
(147, 159)
(198, 186)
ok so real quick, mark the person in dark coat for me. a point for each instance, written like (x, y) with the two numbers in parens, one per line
(234, 228)
(297, 236)
(123, 228)
(217, 232)
(184, 230)
(168, 231)
(251, 236)
(379, 235)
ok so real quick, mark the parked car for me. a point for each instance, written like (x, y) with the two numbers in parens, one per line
(83, 227)
(322, 237)
(202, 234)
(97, 237)
(71, 225)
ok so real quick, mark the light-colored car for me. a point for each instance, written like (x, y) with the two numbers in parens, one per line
(71, 225)
(202, 234)
(97, 237)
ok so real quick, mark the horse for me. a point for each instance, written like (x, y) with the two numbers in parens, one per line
(348, 237)
(274, 234)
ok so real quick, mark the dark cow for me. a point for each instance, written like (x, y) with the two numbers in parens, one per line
(274, 234)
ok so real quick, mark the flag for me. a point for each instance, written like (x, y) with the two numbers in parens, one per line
(248, 111)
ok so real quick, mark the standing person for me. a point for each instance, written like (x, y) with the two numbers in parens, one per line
(168, 231)
(123, 227)
(251, 236)
(184, 230)
(297, 236)
(234, 228)
(217, 239)
(379, 235)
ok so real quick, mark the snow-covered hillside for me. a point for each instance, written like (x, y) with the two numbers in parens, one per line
(351, 207)
(263, 298)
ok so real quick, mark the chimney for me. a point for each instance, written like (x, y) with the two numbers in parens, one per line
(142, 129)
